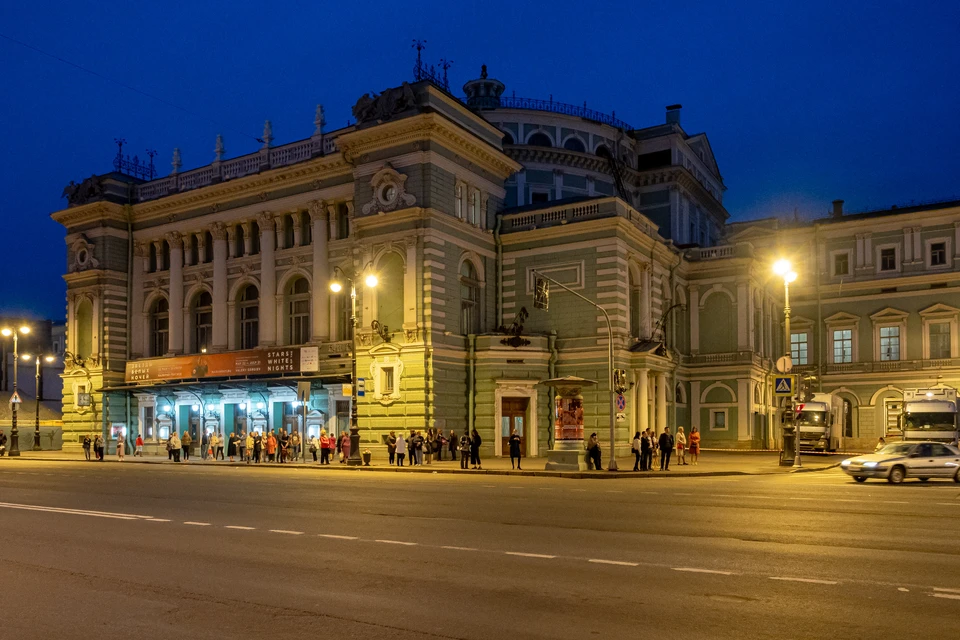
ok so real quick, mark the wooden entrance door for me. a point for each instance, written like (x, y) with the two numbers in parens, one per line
(513, 414)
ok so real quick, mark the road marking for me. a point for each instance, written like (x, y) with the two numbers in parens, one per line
(287, 532)
(460, 548)
(157, 520)
(695, 570)
(614, 491)
(683, 494)
(490, 486)
(330, 535)
(949, 504)
(233, 526)
(69, 512)
(944, 589)
(895, 502)
(198, 524)
(903, 589)
(802, 498)
(951, 596)
(807, 580)
(407, 544)
(529, 555)
(619, 563)
(840, 500)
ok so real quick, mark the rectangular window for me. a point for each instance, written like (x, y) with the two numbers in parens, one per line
(458, 202)
(939, 340)
(798, 348)
(718, 420)
(889, 343)
(343, 221)
(938, 254)
(386, 381)
(888, 259)
(843, 345)
(841, 264)
(538, 197)
(475, 207)
(148, 433)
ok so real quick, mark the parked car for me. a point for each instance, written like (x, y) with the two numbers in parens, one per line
(900, 460)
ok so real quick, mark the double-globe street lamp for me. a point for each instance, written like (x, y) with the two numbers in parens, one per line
(784, 269)
(336, 286)
(14, 432)
(36, 431)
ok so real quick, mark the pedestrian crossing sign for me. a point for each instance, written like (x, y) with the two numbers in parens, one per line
(15, 398)
(783, 386)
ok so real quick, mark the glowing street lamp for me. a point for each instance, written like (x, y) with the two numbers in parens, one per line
(784, 269)
(36, 430)
(336, 286)
(14, 432)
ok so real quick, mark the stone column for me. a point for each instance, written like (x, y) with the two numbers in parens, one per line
(268, 280)
(646, 284)
(231, 242)
(175, 240)
(743, 316)
(410, 287)
(351, 232)
(297, 229)
(643, 399)
(220, 321)
(96, 342)
(201, 247)
(187, 253)
(278, 223)
(661, 402)
(320, 293)
(72, 323)
(694, 319)
(247, 238)
(761, 337)
(140, 266)
(332, 214)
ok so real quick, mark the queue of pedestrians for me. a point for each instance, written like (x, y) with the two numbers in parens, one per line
(419, 448)
(647, 448)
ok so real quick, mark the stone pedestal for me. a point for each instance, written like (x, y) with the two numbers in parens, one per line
(566, 455)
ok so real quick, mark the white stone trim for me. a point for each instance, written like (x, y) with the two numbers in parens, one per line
(513, 389)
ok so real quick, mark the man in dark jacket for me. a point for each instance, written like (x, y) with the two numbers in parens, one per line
(646, 453)
(666, 448)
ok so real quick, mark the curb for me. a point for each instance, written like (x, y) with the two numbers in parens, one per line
(577, 475)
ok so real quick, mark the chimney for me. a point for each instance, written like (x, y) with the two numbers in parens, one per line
(837, 209)
(673, 113)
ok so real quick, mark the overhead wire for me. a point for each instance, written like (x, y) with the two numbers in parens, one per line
(124, 85)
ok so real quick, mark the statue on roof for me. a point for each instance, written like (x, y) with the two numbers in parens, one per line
(483, 71)
(383, 106)
(87, 191)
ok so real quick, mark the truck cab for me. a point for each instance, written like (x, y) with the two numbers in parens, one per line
(929, 414)
(820, 421)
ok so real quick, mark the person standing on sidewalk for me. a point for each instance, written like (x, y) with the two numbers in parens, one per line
(636, 451)
(257, 447)
(401, 449)
(694, 445)
(313, 445)
(666, 444)
(454, 443)
(175, 445)
(138, 452)
(465, 450)
(681, 446)
(475, 443)
(392, 447)
(185, 443)
(98, 447)
(593, 452)
(86, 445)
(515, 449)
(204, 445)
(121, 445)
(646, 451)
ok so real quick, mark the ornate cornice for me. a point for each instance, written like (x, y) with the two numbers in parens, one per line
(93, 212)
(430, 127)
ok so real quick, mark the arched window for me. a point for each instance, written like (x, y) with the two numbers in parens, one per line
(249, 307)
(202, 322)
(298, 311)
(254, 238)
(390, 291)
(160, 327)
(84, 320)
(678, 394)
(603, 152)
(240, 247)
(306, 229)
(507, 138)
(194, 254)
(574, 144)
(469, 299)
(207, 247)
(539, 140)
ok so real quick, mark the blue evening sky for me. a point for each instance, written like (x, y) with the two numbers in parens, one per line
(804, 102)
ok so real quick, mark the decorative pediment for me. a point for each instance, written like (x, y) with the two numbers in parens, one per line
(389, 192)
(939, 310)
(842, 317)
(889, 315)
(384, 349)
(800, 322)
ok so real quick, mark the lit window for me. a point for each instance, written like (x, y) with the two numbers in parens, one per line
(249, 317)
(148, 423)
(938, 254)
(889, 343)
(469, 299)
(798, 347)
(888, 259)
(386, 381)
(298, 310)
(939, 340)
(203, 322)
(159, 327)
(843, 345)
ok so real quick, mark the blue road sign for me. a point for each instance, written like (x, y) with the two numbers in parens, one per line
(783, 386)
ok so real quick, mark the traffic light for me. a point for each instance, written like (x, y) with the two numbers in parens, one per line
(619, 380)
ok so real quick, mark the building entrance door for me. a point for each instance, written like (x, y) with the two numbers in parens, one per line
(343, 417)
(513, 414)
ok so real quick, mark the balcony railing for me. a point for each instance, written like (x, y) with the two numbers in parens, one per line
(602, 207)
(534, 104)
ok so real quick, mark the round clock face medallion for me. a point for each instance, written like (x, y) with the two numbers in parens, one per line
(388, 193)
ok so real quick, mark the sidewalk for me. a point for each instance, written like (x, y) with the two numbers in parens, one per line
(712, 463)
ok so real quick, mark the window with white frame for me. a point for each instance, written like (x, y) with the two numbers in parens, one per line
(890, 343)
(718, 419)
(475, 207)
(469, 299)
(938, 336)
(799, 347)
(888, 259)
(387, 381)
(458, 201)
(148, 424)
(841, 263)
(842, 345)
(938, 254)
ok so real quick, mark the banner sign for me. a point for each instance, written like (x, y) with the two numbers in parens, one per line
(219, 365)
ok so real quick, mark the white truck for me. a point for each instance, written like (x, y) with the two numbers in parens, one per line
(820, 421)
(929, 414)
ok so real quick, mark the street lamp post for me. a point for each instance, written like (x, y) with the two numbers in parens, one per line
(783, 269)
(14, 432)
(36, 431)
(336, 286)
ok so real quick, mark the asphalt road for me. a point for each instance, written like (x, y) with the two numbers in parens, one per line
(145, 551)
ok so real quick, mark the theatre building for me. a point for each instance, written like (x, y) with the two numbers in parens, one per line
(201, 300)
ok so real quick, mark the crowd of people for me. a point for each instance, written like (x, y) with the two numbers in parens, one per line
(422, 447)
(647, 448)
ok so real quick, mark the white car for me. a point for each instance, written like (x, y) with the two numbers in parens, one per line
(899, 460)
